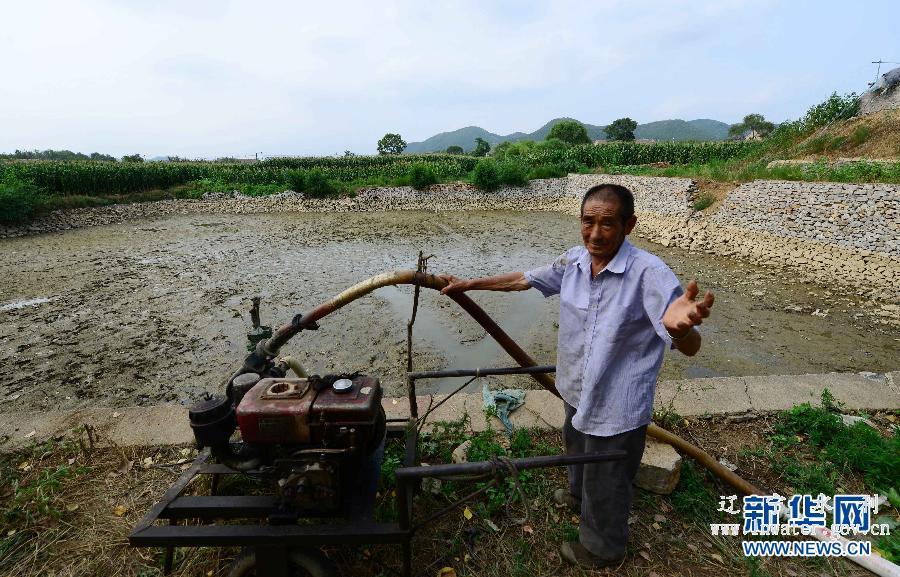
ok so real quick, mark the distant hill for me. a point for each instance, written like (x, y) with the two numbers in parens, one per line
(701, 129)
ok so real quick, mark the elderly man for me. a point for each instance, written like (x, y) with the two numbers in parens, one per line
(620, 308)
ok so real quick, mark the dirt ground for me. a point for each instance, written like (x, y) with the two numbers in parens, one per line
(156, 310)
(94, 510)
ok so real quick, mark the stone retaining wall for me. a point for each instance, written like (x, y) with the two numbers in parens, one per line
(856, 216)
(872, 275)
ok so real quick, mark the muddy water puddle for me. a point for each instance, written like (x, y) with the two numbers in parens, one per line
(156, 310)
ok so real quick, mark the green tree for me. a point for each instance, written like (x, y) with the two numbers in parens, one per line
(569, 131)
(482, 147)
(755, 123)
(391, 143)
(132, 158)
(621, 129)
(455, 150)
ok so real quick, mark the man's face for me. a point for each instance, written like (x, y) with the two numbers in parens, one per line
(602, 228)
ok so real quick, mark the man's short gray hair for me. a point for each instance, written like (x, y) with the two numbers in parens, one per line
(608, 191)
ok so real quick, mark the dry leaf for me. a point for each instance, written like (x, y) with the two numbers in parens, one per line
(656, 526)
(124, 466)
(447, 572)
(527, 529)
(209, 573)
(186, 452)
(72, 507)
(25, 466)
(120, 510)
(717, 557)
(31, 434)
(147, 462)
(659, 518)
(11, 532)
(72, 460)
(576, 519)
(692, 547)
(115, 415)
(645, 555)
(492, 525)
(467, 513)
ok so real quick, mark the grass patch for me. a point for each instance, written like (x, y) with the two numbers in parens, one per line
(857, 448)
(704, 201)
(860, 134)
(693, 498)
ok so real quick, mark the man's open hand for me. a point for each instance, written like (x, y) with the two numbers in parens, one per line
(686, 312)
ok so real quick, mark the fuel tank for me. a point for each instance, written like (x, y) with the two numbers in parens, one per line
(344, 413)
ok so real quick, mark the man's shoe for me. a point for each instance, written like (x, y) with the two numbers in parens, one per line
(575, 553)
(563, 497)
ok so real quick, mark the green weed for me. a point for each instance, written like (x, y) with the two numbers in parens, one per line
(667, 417)
(817, 145)
(692, 497)
(704, 201)
(19, 200)
(860, 135)
(858, 448)
(889, 546)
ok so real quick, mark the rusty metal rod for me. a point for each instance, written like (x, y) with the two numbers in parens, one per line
(481, 467)
(450, 373)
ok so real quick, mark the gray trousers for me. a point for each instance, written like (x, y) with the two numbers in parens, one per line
(604, 489)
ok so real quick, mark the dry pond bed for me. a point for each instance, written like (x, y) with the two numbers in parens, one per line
(156, 310)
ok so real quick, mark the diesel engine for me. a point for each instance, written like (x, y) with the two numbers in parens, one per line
(319, 439)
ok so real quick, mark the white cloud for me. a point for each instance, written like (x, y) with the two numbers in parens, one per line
(212, 78)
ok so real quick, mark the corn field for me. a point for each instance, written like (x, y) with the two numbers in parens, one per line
(105, 178)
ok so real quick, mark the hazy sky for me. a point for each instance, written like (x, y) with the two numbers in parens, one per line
(215, 78)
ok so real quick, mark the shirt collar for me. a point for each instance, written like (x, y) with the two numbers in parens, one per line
(616, 265)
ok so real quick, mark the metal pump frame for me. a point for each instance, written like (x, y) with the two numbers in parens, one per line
(272, 541)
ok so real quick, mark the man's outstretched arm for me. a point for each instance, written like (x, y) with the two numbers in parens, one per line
(683, 314)
(511, 281)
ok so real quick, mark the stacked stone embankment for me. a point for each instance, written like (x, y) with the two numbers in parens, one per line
(856, 216)
(844, 234)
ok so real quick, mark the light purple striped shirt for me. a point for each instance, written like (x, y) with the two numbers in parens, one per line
(611, 335)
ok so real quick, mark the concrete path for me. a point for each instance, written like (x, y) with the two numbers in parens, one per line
(168, 424)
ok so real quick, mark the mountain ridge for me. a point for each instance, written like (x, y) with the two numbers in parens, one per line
(674, 129)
